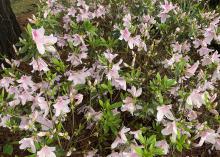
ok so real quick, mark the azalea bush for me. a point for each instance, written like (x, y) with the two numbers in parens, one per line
(114, 78)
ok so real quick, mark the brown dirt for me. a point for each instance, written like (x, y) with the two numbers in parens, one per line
(23, 19)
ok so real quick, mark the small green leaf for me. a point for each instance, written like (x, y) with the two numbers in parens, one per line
(139, 151)
(8, 149)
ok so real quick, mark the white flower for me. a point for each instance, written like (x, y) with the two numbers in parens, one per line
(163, 145)
(46, 152)
(79, 77)
(170, 129)
(61, 106)
(125, 34)
(109, 56)
(43, 42)
(26, 82)
(208, 136)
(164, 111)
(39, 65)
(129, 105)
(196, 98)
(217, 144)
(134, 92)
(42, 103)
(121, 139)
(136, 134)
(191, 71)
(4, 120)
(27, 143)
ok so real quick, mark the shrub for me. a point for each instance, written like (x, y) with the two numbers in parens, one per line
(115, 78)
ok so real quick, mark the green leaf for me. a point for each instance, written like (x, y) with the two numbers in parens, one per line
(116, 105)
(33, 155)
(29, 29)
(8, 149)
(142, 139)
(139, 151)
(152, 140)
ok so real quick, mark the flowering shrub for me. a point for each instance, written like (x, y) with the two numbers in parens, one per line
(114, 78)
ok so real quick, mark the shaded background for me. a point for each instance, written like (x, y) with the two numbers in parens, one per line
(24, 9)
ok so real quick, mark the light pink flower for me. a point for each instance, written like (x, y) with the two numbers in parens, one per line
(136, 134)
(174, 59)
(134, 92)
(196, 99)
(42, 103)
(217, 144)
(131, 42)
(206, 60)
(125, 34)
(81, 3)
(207, 136)
(6, 82)
(84, 14)
(204, 51)
(197, 43)
(113, 72)
(72, 12)
(27, 143)
(83, 48)
(148, 19)
(46, 152)
(191, 115)
(142, 46)
(76, 59)
(101, 11)
(109, 56)
(79, 77)
(25, 123)
(77, 39)
(166, 8)
(39, 65)
(177, 47)
(121, 139)
(91, 114)
(113, 75)
(164, 111)
(26, 82)
(4, 120)
(128, 105)
(163, 145)
(206, 86)
(163, 17)
(191, 70)
(216, 74)
(184, 47)
(50, 2)
(25, 97)
(43, 42)
(61, 106)
(91, 153)
(170, 129)
(36, 116)
(215, 57)
(119, 83)
(127, 20)
(14, 102)
(209, 35)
